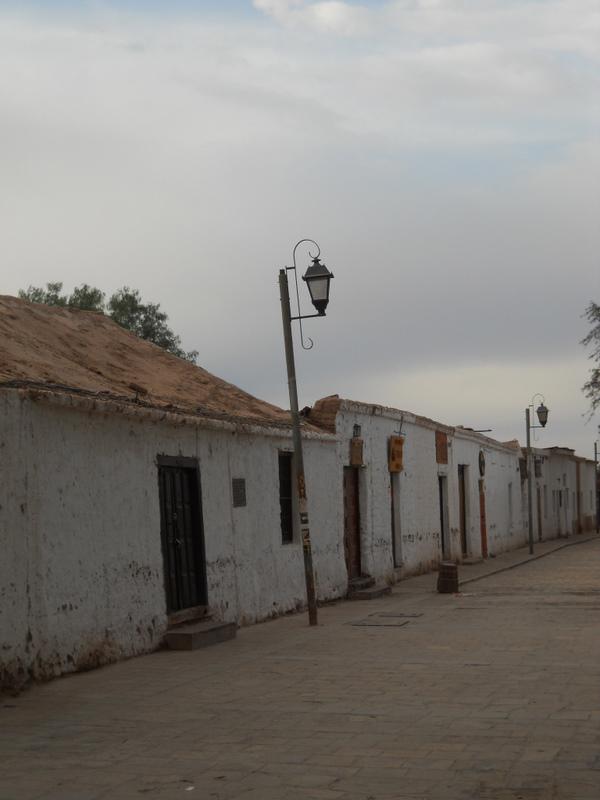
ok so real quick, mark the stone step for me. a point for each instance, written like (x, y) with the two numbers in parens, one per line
(364, 582)
(199, 634)
(189, 615)
(370, 593)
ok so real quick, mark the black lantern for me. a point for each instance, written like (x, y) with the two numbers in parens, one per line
(542, 414)
(317, 279)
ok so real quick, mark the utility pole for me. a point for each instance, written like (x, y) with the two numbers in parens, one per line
(309, 574)
(596, 485)
(529, 476)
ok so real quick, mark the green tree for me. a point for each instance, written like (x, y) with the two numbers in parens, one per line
(591, 388)
(87, 298)
(51, 295)
(146, 320)
(125, 307)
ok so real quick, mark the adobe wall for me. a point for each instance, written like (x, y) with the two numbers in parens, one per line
(502, 492)
(81, 573)
(419, 546)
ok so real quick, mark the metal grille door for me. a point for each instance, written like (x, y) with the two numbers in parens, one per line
(182, 536)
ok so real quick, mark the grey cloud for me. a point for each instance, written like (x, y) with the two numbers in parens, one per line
(461, 235)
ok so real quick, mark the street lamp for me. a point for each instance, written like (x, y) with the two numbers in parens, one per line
(542, 415)
(318, 279)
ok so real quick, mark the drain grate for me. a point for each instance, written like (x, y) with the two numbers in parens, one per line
(375, 623)
(394, 614)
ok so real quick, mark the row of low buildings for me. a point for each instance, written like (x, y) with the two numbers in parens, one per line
(136, 488)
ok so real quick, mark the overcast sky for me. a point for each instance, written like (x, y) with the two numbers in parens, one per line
(445, 154)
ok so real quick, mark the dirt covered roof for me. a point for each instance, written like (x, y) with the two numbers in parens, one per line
(85, 352)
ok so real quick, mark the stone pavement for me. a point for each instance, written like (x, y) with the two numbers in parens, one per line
(492, 694)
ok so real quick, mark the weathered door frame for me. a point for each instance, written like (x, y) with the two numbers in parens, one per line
(482, 519)
(396, 520)
(190, 465)
(463, 471)
(352, 549)
(444, 515)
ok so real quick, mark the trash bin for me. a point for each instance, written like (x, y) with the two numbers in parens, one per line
(448, 578)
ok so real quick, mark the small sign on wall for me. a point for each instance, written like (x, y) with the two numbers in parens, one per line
(395, 453)
(356, 452)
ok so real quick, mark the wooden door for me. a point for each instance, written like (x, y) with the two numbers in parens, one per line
(395, 510)
(351, 522)
(182, 534)
(482, 520)
(462, 506)
(443, 516)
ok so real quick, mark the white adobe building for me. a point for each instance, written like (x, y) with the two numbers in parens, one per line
(452, 494)
(564, 501)
(136, 488)
(417, 491)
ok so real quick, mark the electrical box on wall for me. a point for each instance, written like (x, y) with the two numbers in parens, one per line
(395, 453)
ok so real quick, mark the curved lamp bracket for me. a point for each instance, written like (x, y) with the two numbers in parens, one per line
(307, 344)
(542, 398)
(532, 406)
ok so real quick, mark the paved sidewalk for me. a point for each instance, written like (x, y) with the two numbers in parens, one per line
(494, 565)
(492, 694)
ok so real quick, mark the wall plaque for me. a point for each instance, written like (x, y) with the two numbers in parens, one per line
(356, 452)
(395, 453)
(481, 463)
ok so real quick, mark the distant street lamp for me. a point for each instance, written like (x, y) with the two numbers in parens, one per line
(542, 415)
(318, 279)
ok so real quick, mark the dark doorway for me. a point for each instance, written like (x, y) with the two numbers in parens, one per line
(182, 533)
(462, 507)
(351, 522)
(442, 485)
(482, 520)
(396, 527)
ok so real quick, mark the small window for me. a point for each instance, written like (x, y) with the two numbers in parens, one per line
(285, 497)
(238, 490)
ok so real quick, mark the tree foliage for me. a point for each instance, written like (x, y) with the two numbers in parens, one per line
(125, 307)
(51, 295)
(591, 388)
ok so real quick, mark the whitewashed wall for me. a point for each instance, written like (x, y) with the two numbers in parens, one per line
(558, 486)
(418, 490)
(418, 545)
(567, 507)
(81, 573)
(502, 486)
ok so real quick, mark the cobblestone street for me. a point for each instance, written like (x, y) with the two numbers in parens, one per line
(493, 694)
